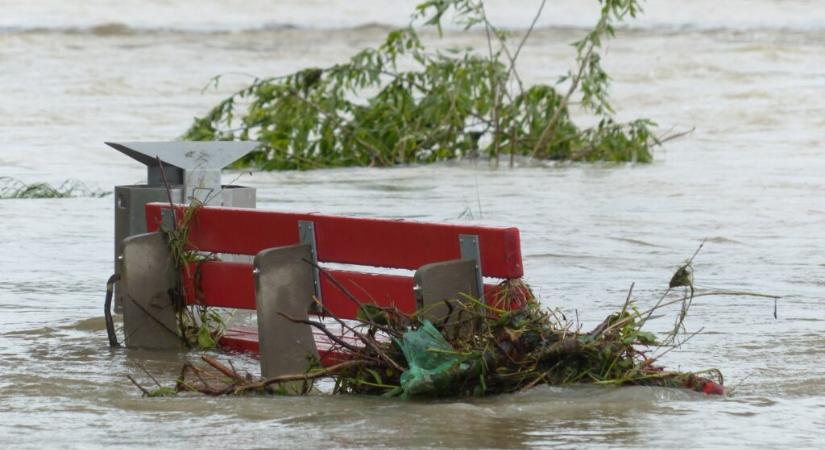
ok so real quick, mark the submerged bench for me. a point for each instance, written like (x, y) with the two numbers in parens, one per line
(284, 278)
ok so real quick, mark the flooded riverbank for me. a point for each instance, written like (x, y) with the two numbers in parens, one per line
(749, 179)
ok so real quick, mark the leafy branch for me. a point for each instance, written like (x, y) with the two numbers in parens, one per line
(400, 103)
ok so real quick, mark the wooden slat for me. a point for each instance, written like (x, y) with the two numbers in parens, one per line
(377, 289)
(222, 284)
(369, 242)
(245, 340)
(232, 285)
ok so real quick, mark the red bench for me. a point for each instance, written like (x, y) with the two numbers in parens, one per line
(438, 252)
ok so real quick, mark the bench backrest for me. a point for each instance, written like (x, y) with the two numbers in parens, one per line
(348, 240)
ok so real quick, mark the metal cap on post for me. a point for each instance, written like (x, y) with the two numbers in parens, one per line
(196, 164)
(192, 171)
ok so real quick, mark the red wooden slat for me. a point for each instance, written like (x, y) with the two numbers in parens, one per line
(232, 285)
(245, 340)
(222, 284)
(241, 340)
(349, 240)
(377, 289)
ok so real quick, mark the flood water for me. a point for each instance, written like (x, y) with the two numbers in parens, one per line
(749, 75)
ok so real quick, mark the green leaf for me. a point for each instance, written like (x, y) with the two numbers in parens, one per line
(205, 340)
(646, 338)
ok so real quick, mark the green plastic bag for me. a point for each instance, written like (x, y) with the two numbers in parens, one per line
(432, 361)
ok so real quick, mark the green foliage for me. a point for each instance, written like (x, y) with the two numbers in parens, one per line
(163, 391)
(400, 103)
(199, 326)
(205, 333)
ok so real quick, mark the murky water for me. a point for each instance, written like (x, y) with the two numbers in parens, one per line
(749, 75)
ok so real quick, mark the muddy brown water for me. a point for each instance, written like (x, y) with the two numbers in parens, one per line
(748, 75)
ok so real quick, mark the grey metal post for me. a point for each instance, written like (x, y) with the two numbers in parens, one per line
(192, 170)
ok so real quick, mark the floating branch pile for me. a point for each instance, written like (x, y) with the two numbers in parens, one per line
(489, 350)
(492, 350)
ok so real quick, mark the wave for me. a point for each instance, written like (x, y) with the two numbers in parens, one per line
(122, 29)
(107, 17)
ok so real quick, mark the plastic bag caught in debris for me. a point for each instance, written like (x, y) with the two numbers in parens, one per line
(431, 359)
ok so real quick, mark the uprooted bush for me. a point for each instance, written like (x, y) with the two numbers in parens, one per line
(404, 103)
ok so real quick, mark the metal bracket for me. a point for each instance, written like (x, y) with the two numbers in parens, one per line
(306, 231)
(283, 293)
(149, 319)
(468, 244)
(440, 287)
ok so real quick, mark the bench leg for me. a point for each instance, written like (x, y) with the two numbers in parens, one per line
(443, 283)
(284, 286)
(148, 277)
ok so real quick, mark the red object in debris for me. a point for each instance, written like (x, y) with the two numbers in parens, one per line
(713, 388)
(704, 385)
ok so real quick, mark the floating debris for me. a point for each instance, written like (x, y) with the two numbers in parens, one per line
(511, 344)
(12, 188)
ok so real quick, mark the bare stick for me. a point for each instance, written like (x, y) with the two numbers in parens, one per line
(347, 294)
(550, 129)
(664, 295)
(627, 301)
(670, 137)
(369, 342)
(671, 347)
(168, 190)
(206, 385)
(302, 376)
(512, 69)
(145, 392)
(323, 329)
(335, 282)
(149, 375)
(606, 326)
(494, 87)
(533, 383)
(221, 368)
(151, 316)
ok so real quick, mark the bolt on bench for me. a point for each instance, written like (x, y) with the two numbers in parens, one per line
(284, 278)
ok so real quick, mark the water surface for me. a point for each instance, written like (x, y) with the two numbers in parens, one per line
(747, 74)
